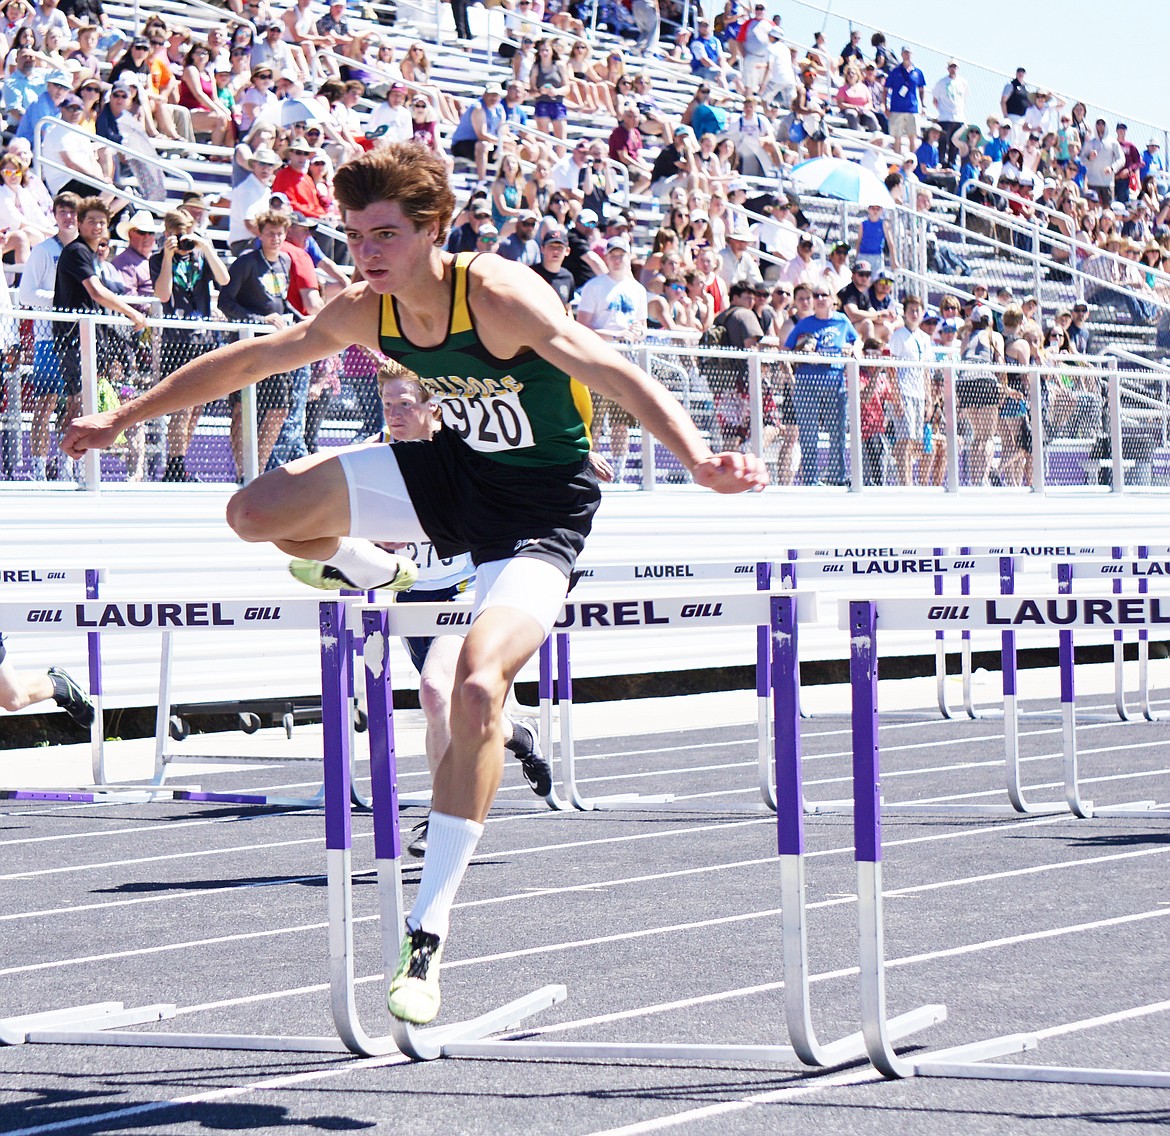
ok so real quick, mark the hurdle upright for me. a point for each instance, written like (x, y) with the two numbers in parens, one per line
(862, 619)
(777, 611)
(556, 652)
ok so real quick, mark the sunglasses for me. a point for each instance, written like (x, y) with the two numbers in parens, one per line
(820, 295)
(861, 272)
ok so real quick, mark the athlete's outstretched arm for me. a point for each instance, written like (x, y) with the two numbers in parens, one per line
(232, 368)
(514, 311)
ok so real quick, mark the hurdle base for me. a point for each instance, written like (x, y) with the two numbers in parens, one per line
(1046, 1074)
(54, 1025)
(98, 794)
(253, 1042)
(619, 801)
(843, 1052)
(429, 1044)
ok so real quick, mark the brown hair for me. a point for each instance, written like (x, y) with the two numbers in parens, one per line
(271, 217)
(175, 221)
(405, 172)
(89, 205)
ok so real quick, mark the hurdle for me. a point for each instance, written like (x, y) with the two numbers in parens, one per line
(556, 652)
(1147, 564)
(102, 1023)
(861, 619)
(165, 756)
(777, 611)
(884, 561)
(39, 581)
(1024, 556)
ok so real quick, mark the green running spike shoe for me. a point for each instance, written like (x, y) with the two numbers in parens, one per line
(414, 989)
(329, 579)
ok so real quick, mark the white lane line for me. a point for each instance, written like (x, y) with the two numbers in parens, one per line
(104, 1119)
(1103, 1020)
(807, 1087)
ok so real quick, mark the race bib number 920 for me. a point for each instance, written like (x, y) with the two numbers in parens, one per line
(489, 423)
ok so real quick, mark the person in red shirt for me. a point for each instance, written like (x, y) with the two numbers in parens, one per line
(877, 388)
(625, 146)
(295, 181)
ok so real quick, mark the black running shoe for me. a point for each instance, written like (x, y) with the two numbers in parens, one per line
(526, 746)
(418, 843)
(71, 698)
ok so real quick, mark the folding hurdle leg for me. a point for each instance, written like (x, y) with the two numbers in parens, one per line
(940, 653)
(576, 798)
(419, 1044)
(875, 1027)
(805, 1047)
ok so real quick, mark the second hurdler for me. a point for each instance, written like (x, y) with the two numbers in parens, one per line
(507, 478)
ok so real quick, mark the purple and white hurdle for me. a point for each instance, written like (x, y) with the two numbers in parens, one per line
(862, 620)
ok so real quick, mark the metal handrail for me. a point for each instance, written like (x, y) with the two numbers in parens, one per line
(166, 167)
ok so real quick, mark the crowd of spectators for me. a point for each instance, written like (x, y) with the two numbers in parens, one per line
(282, 96)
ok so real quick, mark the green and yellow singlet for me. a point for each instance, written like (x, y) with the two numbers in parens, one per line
(521, 411)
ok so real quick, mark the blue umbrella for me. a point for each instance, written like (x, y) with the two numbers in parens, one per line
(835, 177)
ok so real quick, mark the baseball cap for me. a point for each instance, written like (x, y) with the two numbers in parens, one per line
(738, 183)
(1118, 207)
(1080, 306)
(981, 313)
(481, 209)
(1028, 299)
(1049, 183)
(884, 275)
(555, 237)
(487, 231)
(491, 89)
(950, 325)
(617, 243)
(71, 101)
(527, 215)
(299, 218)
(930, 315)
(59, 79)
(587, 217)
(841, 246)
(265, 157)
(862, 266)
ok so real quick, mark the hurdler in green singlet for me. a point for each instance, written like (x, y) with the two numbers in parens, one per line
(521, 411)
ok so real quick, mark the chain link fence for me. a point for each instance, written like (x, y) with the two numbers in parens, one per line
(815, 419)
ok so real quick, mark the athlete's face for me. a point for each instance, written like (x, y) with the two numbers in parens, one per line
(408, 417)
(386, 247)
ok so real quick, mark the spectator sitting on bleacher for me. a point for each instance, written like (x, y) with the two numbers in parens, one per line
(390, 121)
(708, 59)
(24, 85)
(752, 134)
(701, 116)
(673, 165)
(249, 199)
(296, 183)
(464, 236)
(625, 146)
(584, 260)
(46, 15)
(82, 60)
(23, 223)
(57, 86)
(551, 268)
(855, 101)
(930, 167)
(521, 244)
(480, 130)
(72, 159)
(274, 51)
(737, 265)
(802, 268)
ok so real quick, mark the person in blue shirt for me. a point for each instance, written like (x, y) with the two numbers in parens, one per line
(818, 389)
(57, 86)
(904, 87)
(930, 167)
(703, 117)
(707, 55)
(996, 148)
(1153, 164)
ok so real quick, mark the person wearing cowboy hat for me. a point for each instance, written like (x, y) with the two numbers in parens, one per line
(297, 184)
(133, 262)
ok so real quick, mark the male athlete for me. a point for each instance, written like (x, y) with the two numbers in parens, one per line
(507, 479)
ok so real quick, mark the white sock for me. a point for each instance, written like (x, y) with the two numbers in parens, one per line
(367, 565)
(451, 842)
(38, 469)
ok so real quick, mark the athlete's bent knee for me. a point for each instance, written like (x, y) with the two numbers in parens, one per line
(251, 515)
